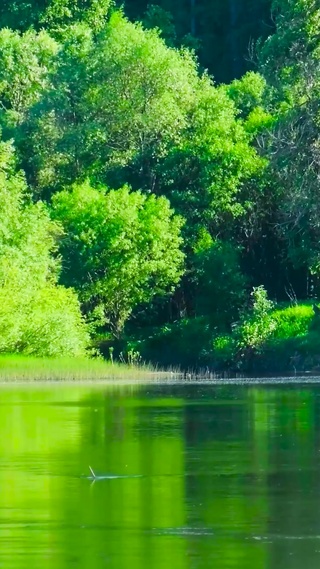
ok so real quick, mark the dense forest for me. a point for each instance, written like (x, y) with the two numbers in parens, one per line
(159, 181)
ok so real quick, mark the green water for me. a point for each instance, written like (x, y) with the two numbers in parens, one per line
(203, 477)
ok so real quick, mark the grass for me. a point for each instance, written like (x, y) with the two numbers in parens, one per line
(27, 368)
(293, 321)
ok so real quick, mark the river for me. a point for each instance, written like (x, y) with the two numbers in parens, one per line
(192, 477)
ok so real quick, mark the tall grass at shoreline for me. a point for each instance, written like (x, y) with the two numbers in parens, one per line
(28, 368)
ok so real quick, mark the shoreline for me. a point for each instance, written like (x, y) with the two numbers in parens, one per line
(165, 380)
(20, 369)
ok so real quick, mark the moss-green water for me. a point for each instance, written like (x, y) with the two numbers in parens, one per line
(198, 477)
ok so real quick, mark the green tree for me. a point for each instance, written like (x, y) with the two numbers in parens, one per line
(117, 101)
(122, 107)
(62, 13)
(290, 60)
(54, 14)
(36, 315)
(125, 108)
(120, 249)
(205, 170)
(25, 62)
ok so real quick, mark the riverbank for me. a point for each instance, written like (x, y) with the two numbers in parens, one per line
(27, 368)
(268, 339)
(31, 370)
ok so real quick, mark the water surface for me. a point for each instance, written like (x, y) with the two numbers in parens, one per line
(197, 477)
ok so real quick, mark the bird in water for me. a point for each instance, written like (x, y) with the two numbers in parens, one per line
(94, 477)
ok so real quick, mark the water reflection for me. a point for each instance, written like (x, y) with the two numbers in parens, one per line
(224, 476)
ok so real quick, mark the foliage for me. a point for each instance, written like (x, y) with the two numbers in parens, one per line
(290, 61)
(289, 57)
(114, 100)
(120, 249)
(54, 14)
(247, 92)
(274, 339)
(204, 172)
(157, 17)
(36, 315)
(185, 344)
(60, 14)
(122, 107)
(257, 327)
(220, 291)
(293, 320)
(25, 62)
(222, 32)
(95, 101)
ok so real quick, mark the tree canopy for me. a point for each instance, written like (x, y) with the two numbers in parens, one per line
(138, 188)
(37, 316)
(120, 249)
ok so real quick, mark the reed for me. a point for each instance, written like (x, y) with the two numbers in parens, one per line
(27, 368)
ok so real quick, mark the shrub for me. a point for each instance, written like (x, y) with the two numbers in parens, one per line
(271, 339)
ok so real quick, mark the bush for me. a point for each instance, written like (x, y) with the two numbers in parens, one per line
(53, 325)
(271, 339)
